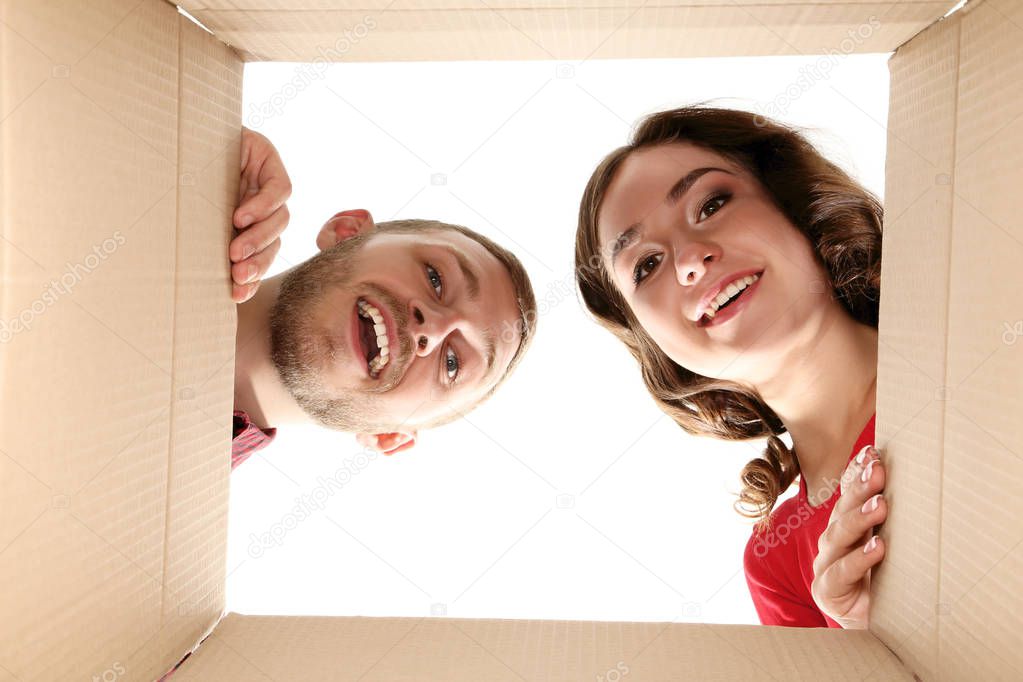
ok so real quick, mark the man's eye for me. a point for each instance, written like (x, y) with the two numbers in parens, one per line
(435, 280)
(645, 267)
(713, 205)
(451, 364)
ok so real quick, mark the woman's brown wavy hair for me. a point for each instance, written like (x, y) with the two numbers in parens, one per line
(840, 218)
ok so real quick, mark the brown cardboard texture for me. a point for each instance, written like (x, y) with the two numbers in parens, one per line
(120, 133)
(119, 130)
(307, 30)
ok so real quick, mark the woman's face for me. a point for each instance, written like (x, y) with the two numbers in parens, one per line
(678, 223)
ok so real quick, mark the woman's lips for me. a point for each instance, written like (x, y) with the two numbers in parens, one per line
(719, 286)
(734, 308)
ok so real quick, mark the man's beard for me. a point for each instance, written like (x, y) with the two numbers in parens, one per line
(297, 346)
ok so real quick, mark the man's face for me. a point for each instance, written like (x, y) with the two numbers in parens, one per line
(445, 304)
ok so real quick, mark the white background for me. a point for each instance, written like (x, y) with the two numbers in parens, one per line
(568, 495)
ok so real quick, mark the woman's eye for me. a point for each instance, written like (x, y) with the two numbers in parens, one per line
(713, 205)
(451, 364)
(645, 266)
(435, 280)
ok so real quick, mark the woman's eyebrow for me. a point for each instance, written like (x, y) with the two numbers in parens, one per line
(624, 240)
(629, 235)
(679, 189)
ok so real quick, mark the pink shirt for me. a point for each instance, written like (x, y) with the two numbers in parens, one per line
(248, 438)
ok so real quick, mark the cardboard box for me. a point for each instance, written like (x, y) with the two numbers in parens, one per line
(120, 123)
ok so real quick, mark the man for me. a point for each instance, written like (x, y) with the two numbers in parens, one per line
(389, 329)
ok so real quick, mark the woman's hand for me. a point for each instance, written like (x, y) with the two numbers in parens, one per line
(847, 548)
(261, 215)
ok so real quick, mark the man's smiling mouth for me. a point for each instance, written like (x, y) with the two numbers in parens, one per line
(374, 337)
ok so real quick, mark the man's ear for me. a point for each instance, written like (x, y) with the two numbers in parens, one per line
(387, 443)
(342, 226)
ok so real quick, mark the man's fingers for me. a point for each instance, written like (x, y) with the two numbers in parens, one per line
(259, 236)
(252, 269)
(243, 292)
(272, 194)
(261, 214)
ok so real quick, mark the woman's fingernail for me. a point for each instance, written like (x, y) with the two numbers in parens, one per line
(865, 476)
(871, 504)
(249, 250)
(863, 454)
(871, 544)
(250, 273)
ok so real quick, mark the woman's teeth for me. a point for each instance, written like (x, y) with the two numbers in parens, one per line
(379, 361)
(728, 293)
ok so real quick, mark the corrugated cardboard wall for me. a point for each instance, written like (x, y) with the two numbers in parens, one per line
(119, 124)
(980, 607)
(117, 172)
(948, 595)
(203, 390)
(398, 30)
(463, 650)
(913, 324)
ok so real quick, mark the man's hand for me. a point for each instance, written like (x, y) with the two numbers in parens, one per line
(261, 215)
(847, 549)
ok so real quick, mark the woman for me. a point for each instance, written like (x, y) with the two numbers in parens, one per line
(741, 269)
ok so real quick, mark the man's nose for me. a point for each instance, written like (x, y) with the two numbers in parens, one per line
(430, 325)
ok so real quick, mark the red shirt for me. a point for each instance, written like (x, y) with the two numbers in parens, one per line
(779, 562)
(247, 438)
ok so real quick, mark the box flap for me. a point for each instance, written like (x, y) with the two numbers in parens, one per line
(462, 650)
(397, 30)
(118, 150)
(951, 362)
(204, 329)
(913, 324)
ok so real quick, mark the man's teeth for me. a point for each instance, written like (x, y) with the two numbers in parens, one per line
(728, 293)
(369, 312)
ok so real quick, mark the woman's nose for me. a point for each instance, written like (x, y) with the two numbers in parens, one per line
(691, 263)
